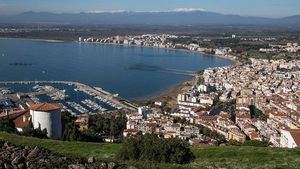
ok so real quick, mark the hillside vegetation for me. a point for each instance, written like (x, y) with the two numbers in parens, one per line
(101, 151)
(207, 157)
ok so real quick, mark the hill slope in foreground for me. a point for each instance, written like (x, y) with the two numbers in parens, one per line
(208, 157)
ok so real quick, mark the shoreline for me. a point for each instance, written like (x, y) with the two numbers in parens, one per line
(125, 45)
(37, 39)
(171, 49)
(169, 91)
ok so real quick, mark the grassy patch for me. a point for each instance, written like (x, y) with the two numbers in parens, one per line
(247, 157)
(208, 157)
(101, 151)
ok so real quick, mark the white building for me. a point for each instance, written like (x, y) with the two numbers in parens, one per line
(144, 110)
(203, 88)
(158, 103)
(222, 51)
(182, 97)
(47, 116)
(290, 138)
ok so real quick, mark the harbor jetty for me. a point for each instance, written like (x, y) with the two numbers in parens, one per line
(112, 99)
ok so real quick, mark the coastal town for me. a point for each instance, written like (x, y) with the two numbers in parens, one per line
(263, 95)
(239, 53)
(254, 101)
(257, 100)
(131, 84)
(165, 41)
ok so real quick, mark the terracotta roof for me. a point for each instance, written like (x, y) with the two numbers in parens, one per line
(197, 109)
(225, 115)
(45, 107)
(23, 120)
(243, 116)
(296, 136)
(151, 124)
(254, 135)
(279, 114)
(12, 114)
(131, 130)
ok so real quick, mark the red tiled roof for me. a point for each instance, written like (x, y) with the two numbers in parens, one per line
(296, 136)
(239, 115)
(279, 114)
(46, 107)
(254, 135)
(131, 130)
(12, 114)
(208, 118)
(23, 120)
(197, 109)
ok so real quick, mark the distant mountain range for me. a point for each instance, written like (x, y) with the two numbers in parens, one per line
(176, 17)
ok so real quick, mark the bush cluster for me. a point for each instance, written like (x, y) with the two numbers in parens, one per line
(150, 147)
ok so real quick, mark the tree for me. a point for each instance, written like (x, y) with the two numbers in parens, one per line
(110, 126)
(233, 143)
(180, 120)
(70, 130)
(256, 113)
(7, 125)
(150, 147)
(212, 134)
(71, 133)
(255, 143)
(66, 119)
(30, 131)
(100, 126)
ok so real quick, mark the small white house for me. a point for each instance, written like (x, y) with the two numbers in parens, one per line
(47, 116)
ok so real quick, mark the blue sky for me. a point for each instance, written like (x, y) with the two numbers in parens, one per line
(266, 8)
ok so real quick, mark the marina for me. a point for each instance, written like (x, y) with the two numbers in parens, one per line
(77, 98)
(93, 105)
(52, 92)
(78, 107)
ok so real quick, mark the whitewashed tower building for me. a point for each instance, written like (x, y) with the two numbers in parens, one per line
(47, 116)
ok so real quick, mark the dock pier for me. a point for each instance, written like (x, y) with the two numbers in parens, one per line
(118, 101)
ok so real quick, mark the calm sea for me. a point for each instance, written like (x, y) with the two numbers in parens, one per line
(132, 72)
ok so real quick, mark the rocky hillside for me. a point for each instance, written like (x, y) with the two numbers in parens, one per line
(19, 157)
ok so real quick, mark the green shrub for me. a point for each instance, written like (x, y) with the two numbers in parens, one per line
(7, 126)
(255, 143)
(152, 148)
